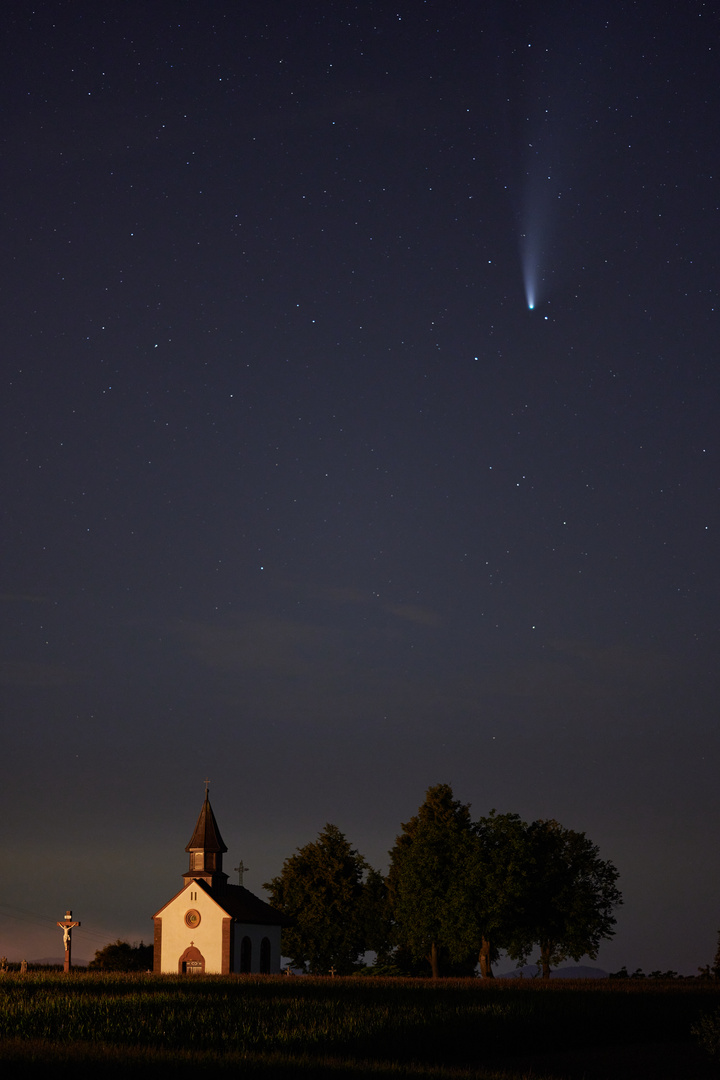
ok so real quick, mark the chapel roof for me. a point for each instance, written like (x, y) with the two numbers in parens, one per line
(237, 902)
(207, 835)
(245, 907)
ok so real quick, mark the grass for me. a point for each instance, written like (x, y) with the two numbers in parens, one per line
(265, 1026)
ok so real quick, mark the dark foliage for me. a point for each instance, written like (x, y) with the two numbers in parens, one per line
(707, 1032)
(570, 897)
(122, 956)
(428, 883)
(461, 890)
(337, 902)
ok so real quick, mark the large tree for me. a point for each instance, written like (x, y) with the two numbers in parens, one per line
(336, 901)
(428, 882)
(497, 880)
(570, 897)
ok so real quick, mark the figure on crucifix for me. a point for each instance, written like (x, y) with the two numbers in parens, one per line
(66, 926)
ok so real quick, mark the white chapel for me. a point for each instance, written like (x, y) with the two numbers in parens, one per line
(211, 927)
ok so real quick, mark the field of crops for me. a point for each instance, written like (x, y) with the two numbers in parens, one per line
(277, 1027)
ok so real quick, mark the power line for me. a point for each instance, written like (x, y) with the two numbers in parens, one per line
(33, 918)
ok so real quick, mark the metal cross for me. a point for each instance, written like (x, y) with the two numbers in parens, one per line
(241, 869)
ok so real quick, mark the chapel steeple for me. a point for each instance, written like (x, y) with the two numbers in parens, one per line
(206, 849)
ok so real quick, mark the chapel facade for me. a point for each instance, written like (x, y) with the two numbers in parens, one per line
(211, 927)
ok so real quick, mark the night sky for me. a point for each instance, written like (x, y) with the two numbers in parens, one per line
(299, 492)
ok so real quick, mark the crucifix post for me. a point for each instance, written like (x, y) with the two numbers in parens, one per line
(66, 926)
(241, 869)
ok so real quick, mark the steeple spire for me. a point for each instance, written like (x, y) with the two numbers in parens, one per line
(206, 848)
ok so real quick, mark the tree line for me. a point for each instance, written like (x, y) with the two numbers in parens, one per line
(457, 892)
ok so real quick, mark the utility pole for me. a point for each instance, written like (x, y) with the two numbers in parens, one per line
(67, 926)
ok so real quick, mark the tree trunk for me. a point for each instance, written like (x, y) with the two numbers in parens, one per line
(545, 951)
(433, 958)
(485, 963)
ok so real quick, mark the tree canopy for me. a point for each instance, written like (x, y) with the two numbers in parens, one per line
(427, 881)
(122, 956)
(336, 901)
(497, 882)
(570, 898)
(459, 887)
(457, 890)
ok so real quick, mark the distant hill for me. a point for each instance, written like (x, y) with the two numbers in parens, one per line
(530, 971)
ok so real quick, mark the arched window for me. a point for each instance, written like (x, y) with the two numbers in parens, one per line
(265, 956)
(246, 955)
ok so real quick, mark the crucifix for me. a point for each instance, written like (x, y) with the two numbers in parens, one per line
(241, 869)
(207, 785)
(66, 926)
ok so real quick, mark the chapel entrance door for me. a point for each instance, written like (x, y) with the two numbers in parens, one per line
(192, 962)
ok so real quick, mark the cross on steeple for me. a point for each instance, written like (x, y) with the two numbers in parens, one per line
(207, 785)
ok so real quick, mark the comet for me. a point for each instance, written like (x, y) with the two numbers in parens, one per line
(539, 209)
(530, 256)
